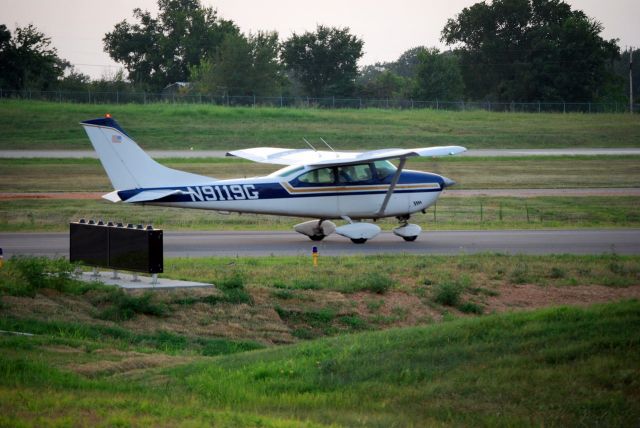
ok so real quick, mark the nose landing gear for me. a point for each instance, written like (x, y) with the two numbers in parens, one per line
(407, 231)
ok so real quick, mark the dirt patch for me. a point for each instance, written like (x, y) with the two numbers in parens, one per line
(51, 195)
(394, 309)
(190, 315)
(535, 296)
(127, 365)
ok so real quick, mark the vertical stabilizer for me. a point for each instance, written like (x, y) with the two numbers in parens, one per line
(127, 165)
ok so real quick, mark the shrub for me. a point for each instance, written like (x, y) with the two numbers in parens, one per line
(24, 276)
(231, 282)
(557, 273)
(354, 322)
(377, 283)
(447, 293)
(470, 308)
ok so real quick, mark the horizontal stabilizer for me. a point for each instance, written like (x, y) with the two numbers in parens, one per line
(153, 195)
(113, 196)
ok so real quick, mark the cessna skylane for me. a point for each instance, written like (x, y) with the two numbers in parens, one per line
(323, 185)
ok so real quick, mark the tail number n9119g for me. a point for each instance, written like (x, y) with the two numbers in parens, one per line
(233, 192)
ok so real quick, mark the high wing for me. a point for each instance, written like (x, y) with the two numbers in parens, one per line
(313, 158)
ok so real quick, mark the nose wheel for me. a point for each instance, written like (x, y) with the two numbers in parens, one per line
(407, 231)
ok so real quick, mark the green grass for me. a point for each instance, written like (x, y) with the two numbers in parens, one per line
(449, 213)
(415, 273)
(552, 367)
(42, 125)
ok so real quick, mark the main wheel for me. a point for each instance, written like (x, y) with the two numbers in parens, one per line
(317, 237)
(410, 238)
(358, 240)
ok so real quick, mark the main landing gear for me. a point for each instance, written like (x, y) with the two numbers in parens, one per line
(358, 232)
(316, 230)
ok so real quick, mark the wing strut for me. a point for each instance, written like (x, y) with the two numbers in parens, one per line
(392, 187)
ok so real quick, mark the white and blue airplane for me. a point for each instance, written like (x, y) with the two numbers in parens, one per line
(323, 185)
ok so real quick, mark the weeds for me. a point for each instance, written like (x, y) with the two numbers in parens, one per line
(470, 308)
(122, 306)
(448, 293)
(24, 276)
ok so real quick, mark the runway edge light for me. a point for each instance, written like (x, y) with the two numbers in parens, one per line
(314, 254)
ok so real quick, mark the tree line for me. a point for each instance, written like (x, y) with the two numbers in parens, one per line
(506, 50)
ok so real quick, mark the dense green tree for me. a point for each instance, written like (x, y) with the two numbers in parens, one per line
(530, 49)
(324, 61)
(385, 85)
(242, 66)
(159, 51)
(28, 61)
(73, 81)
(438, 76)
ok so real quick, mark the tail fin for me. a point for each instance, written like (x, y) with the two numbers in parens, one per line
(127, 165)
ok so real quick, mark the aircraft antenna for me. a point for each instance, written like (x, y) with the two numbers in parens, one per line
(327, 144)
(309, 144)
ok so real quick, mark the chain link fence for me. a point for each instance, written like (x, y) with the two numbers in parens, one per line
(126, 97)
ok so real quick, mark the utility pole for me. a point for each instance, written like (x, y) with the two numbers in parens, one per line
(631, 80)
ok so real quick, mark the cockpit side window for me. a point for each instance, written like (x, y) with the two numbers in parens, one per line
(355, 173)
(321, 176)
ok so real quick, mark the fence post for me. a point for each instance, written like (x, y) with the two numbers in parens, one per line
(538, 106)
(89, 93)
(280, 101)
(481, 212)
(589, 107)
(437, 105)
(117, 97)
(360, 103)
(564, 107)
(144, 97)
(254, 100)
(526, 207)
(59, 96)
(334, 101)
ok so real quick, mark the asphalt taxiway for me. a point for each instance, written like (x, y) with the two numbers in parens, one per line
(204, 244)
(160, 154)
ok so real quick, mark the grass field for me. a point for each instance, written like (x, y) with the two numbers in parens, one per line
(553, 367)
(99, 356)
(41, 125)
(87, 175)
(449, 213)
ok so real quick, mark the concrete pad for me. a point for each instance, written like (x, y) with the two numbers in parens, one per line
(126, 280)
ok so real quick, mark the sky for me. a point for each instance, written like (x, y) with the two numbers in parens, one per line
(388, 28)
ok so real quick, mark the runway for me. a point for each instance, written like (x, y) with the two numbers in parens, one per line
(163, 154)
(204, 244)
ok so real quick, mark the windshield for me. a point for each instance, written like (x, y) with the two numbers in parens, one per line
(384, 168)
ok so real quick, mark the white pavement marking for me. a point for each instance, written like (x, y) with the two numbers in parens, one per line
(160, 154)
